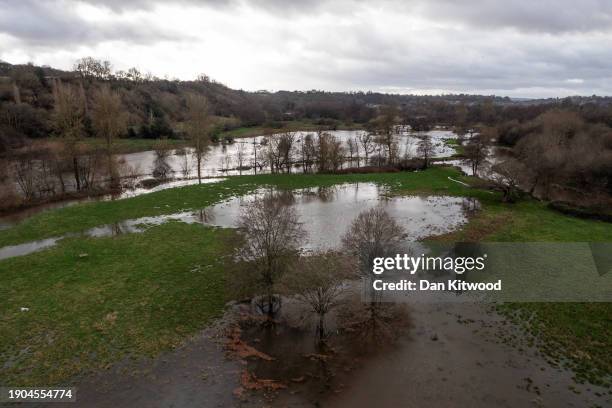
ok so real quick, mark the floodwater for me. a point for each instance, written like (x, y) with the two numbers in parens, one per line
(222, 159)
(325, 213)
(450, 355)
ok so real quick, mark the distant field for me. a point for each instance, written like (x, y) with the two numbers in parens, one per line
(120, 145)
(288, 126)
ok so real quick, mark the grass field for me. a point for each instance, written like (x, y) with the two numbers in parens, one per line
(104, 298)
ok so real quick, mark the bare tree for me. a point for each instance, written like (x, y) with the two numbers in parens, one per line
(367, 143)
(24, 170)
(476, 150)
(91, 68)
(197, 127)
(506, 176)
(109, 122)
(308, 152)
(285, 149)
(318, 282)
(240, 156)
(386, 132)
(373, 233)
(186, 164)
(161, 168)
(425, 149)
(68, 120)
(330, 152)
(272, 233)
(352, 148)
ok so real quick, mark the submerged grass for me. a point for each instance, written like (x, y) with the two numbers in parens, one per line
(94, 300)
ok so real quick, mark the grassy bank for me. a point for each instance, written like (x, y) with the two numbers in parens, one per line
(94, 300)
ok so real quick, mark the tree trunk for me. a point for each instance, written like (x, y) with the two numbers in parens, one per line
(199, 157)
(77, 178)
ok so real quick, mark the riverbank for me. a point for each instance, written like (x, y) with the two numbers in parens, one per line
(139, 294)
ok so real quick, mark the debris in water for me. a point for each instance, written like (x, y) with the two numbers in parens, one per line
(241, 349)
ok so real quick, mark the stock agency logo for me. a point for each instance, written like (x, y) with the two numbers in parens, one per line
(411, 265)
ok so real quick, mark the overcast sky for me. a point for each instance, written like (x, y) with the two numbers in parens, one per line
(521, 48)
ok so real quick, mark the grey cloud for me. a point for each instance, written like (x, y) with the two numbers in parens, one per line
(468, 46)
(54, 22)
(551, 16)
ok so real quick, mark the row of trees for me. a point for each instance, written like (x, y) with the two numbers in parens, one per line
(324, 152)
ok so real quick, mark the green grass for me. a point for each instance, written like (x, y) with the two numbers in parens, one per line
(86, 312)
(92, 301)
(454, 143)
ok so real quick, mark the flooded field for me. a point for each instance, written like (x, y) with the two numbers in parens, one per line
(222, 159)
(325, 213)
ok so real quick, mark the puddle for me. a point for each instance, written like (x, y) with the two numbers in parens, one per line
(325, 212)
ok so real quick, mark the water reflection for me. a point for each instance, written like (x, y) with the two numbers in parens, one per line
(245, 155)
(326, 213)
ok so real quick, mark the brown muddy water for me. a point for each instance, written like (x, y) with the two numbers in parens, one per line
(325, 213)
(449, 355)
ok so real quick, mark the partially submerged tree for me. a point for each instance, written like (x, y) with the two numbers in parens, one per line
(372, 234)
(366, 139)
(272, 233)
(108, 122)
(425, 149)
(197, 128)
(161, 168)
(68, 121)
(318, 281)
